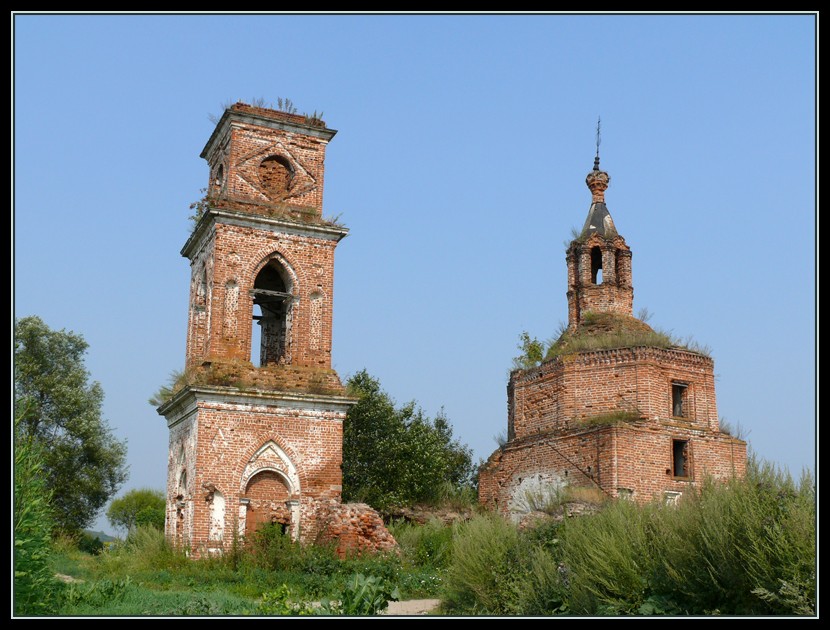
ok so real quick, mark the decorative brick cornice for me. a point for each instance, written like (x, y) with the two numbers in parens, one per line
(282, 225)
(190, 398)
(635, 354)
(270, 119)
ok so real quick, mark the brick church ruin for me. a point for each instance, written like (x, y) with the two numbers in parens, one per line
(256, 420)
(256, 437)
(615, 406)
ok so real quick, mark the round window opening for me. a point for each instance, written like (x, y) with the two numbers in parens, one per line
(276, 175)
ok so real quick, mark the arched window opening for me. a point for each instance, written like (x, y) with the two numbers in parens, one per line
(272, 303)
(596, 265)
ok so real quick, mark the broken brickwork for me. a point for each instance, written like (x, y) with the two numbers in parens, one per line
(356, 529)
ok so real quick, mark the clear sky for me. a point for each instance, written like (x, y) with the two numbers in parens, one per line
(459, 165)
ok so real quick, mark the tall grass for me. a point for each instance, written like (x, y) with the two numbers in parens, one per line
(144, 552)
(609, 558)
(35, 589)
(428, 545)
(484, 549)
(747, 547)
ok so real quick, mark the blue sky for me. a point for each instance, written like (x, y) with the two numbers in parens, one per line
(459, 164)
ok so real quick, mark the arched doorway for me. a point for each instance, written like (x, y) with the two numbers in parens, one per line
(268, 496)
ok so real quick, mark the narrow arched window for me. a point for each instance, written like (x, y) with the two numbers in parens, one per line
(596, 265)
(219, 179)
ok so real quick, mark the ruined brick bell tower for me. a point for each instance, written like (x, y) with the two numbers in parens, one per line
(256, 426)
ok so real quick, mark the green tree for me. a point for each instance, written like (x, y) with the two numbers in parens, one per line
(60, 410)
(144, 506)
(532, 352)
(398, 456)
(34, 584)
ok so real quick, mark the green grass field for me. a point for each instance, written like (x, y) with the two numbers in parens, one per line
(746, 547)
(144, 576)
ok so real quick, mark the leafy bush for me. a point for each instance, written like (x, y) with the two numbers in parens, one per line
(746, 548)
(600, 331)
(90, 544)
(609, 558)
(271, 549)
(145, 551)
(541, 587)
(95, 594)
(363, 596)
(532, 352)
(283, 602)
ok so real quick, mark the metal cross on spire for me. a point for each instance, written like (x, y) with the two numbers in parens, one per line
(599, 141)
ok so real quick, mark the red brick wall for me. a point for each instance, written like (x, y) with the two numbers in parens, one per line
(551, 444)
(221, 436)
(181, 458)
(566, 390)
(646, 455)
(631, 457)
(243, 148)
(266, 198)
(267, 495)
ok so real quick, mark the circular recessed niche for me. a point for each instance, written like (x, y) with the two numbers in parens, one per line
(276, 175)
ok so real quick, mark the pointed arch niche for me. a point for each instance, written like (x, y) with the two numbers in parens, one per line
(270, 491)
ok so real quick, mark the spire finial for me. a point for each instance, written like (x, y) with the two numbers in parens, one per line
(597, 180)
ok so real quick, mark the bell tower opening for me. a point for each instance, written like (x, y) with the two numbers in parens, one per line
(598, 260)
(596, 265)
(271, 310)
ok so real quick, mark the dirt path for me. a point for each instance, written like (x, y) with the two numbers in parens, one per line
(412, 607)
